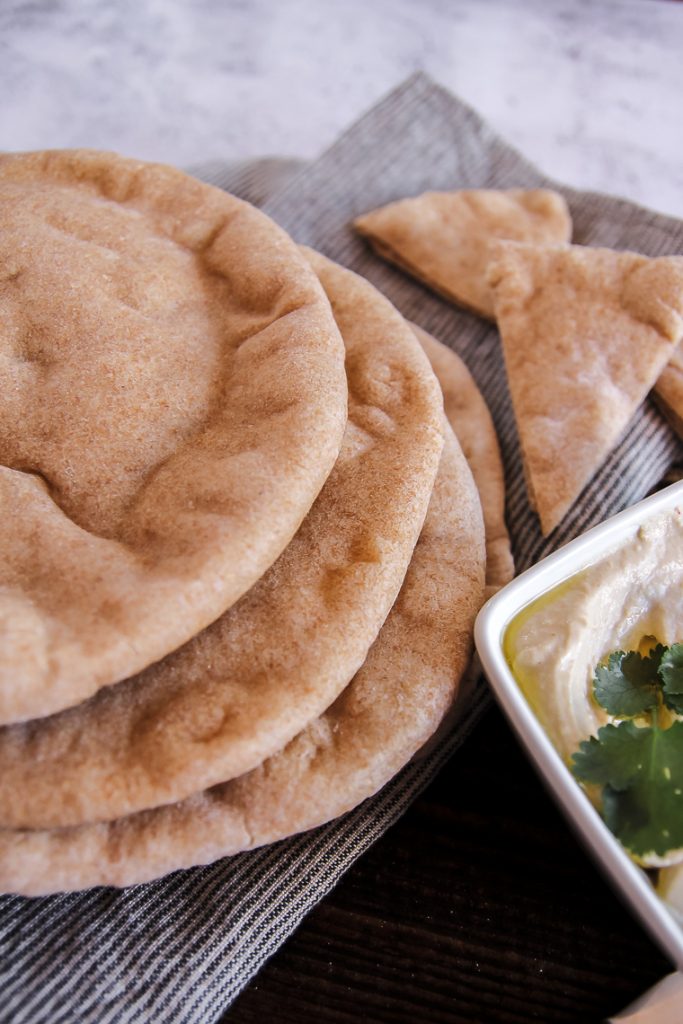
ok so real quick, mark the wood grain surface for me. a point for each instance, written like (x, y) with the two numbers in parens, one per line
(478, 906)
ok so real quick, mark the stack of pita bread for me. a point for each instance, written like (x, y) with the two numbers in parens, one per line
(587, 333)
(242, 547)
(250, 511)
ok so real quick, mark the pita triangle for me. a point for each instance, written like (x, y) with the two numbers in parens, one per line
(444, 238)
(586, 333)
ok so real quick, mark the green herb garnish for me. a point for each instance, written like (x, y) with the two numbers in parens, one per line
(628, 684)
(671, 673)
(640, 767)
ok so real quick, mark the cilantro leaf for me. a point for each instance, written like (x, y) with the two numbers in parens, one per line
(608, 758)
(642, 772)
(655, 656)
(628, 684)
(671, 672)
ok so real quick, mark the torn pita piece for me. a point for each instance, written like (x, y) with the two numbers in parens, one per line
(445, 238)
(586, 333)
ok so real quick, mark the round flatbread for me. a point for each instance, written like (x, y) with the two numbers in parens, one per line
(471, 421)
(244, 687)
(394, 703)
(173, 398)
(668, 391)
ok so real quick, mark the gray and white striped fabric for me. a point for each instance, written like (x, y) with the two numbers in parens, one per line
(182, 948)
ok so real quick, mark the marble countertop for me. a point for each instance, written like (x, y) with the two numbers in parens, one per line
(588, 90)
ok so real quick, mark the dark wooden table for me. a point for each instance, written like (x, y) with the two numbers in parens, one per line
(478, 906)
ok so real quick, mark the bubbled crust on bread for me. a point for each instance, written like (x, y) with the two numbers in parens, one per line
(173, 397)
(240, 690)
(393, 705)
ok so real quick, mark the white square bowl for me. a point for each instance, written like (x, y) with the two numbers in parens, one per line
(491, 625)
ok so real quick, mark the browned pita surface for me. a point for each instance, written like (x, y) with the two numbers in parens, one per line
(394, 703)
(240, 690)
(586, 333)
(445, 238)
(469, 416)
(173, 397)
(668, 391)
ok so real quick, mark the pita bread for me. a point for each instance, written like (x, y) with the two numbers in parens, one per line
(471, 421)
(173, 398)
(444, 238)
(391, 707)
(239, 691)
(586, 332)
(668, 391)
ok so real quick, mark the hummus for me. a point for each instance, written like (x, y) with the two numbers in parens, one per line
(630, 599)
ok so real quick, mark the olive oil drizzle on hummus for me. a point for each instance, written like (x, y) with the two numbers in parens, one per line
(628, 601)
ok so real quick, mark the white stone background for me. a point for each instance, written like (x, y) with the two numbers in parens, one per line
(591, 90)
